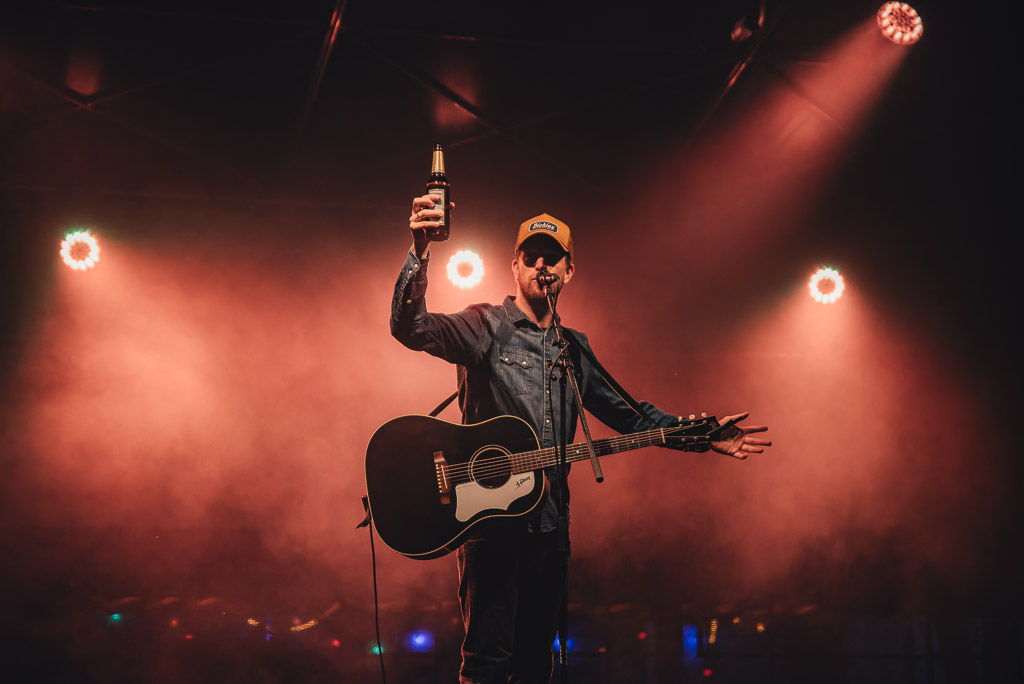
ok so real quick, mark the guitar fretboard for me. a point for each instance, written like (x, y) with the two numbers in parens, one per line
(545, 458)
(505, 465)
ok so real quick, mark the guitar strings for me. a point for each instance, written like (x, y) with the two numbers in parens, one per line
(516, 463)
(531, 460)
(510, 464)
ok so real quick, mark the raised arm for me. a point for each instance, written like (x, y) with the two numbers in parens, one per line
(457, 338)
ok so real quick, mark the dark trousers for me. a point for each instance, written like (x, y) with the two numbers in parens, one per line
(510, 586)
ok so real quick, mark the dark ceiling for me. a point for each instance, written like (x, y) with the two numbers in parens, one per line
(162, 98)
(193, 98)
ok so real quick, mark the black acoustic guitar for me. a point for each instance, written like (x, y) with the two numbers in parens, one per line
(430, 481)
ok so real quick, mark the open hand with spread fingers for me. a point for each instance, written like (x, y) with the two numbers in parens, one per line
(737, 440)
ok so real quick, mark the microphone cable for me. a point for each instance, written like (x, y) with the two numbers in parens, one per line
(376, 602)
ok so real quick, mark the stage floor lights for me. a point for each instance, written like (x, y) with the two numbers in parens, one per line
(79, 250)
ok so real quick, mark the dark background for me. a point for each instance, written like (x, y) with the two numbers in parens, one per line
(183, 426)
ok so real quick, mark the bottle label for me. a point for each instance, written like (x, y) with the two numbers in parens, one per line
(443, 192)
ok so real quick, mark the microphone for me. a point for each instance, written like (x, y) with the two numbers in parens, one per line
(545, 278)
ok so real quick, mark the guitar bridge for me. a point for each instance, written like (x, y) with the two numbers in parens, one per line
(441, 470)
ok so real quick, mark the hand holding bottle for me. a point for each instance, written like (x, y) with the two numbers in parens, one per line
(426, 216)
(431, 213)
(439, 188)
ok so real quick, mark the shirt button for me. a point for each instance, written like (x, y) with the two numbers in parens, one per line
(524, 364)
(408, 301)
(547, 421)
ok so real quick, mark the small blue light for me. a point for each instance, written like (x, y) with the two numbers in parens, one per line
(420, 641)
(570, 645)
(689, 643)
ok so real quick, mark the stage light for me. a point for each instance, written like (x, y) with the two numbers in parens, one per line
(79, 250)
(690, 643)
(900, 23)
(826, 285)
(465, 269)
(303, 626)
(420, 642)
(570, 644)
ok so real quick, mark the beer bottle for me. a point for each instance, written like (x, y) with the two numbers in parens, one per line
(437, 184)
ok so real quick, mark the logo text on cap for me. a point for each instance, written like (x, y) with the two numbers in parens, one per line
(543, 225)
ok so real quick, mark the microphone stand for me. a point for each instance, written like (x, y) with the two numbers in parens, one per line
(568, 374)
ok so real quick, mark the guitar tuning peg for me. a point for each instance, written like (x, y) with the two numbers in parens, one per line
(692, 416)
(703, 415)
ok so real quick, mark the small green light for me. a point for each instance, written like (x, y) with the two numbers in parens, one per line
(116, 617)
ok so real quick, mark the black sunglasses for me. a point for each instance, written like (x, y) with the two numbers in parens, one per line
(551, 255)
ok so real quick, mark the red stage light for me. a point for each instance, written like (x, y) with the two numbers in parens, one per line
(826, 285)
(79, 250)
(900, 23)
(465, 269)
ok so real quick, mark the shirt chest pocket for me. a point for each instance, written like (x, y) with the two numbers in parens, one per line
(515, 368)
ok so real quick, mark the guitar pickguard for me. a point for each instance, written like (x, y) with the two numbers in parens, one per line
(472, 498)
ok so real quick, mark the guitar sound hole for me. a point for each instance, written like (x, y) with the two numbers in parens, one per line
(491, 468)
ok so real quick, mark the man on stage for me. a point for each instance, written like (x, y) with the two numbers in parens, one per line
(511, 573)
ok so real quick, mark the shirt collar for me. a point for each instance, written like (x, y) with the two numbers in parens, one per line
(515, 314)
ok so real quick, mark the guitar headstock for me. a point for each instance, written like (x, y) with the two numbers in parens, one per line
(694, 433)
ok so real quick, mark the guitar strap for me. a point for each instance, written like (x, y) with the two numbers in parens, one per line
(444, 404)
(616, 387)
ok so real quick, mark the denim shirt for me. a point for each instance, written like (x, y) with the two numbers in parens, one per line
(504, 367)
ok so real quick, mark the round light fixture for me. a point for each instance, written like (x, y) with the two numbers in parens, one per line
(465, 269)
(79, 250)
(826, 285)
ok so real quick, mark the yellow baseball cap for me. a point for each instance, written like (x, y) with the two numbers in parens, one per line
(545, 224)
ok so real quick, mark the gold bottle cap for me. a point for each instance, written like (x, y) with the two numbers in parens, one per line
(437, 163)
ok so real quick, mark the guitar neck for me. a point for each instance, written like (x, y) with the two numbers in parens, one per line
(546, 458)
